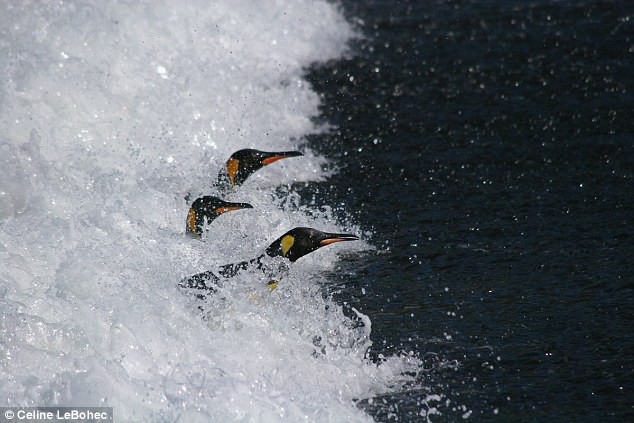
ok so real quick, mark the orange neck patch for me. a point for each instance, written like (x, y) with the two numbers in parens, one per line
(191, 220)
(232, 169)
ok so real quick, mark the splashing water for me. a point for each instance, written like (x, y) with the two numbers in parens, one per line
(111, 113)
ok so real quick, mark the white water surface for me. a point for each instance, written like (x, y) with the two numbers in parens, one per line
(110, 112)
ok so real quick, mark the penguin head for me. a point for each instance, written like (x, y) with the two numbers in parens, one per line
(298, 242)
(208, 207)
(244, 163)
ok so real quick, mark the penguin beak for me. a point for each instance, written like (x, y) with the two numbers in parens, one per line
(232, 207)
(273, 157)
(332, 238)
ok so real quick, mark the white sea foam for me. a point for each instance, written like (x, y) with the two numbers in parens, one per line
(110, 113)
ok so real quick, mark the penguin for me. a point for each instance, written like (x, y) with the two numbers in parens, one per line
(292, 246)
(243, 163)
(298, 242)
(208, 208)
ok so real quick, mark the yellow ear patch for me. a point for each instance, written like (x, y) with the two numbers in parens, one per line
(191, 220)
(287, 242)
(272, 285)
(232, 169)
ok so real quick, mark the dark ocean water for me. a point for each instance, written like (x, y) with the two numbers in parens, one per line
(489, 146)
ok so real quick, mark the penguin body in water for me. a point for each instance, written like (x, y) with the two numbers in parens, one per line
(208, 208)
(291, 246)
(243, 163)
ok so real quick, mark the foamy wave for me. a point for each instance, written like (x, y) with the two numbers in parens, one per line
(111, 112)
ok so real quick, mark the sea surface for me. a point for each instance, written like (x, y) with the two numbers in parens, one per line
(489, 146)
(481, 150)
